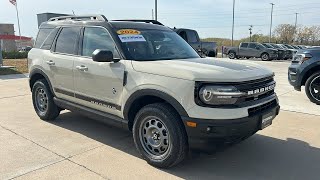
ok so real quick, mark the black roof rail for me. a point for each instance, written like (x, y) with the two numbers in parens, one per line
(141, 20)
(80, 18)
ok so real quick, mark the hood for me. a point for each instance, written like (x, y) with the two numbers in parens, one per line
(204, 69)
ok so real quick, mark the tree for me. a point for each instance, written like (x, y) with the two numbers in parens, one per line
(284, 33)
(308, 35)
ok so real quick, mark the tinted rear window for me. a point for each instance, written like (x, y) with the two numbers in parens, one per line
(192, 36)
(244, 45)
(67, 40)
(42, 36)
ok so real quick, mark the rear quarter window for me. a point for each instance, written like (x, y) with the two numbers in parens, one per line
(49, 40)
(42, 36)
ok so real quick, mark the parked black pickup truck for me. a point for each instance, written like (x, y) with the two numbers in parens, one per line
(252, 49)
(203, 48)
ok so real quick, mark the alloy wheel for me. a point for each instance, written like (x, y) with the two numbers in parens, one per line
(315, 88)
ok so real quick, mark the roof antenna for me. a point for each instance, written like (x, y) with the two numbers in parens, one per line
(73, 12)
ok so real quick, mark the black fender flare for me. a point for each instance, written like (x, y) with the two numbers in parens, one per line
(305, 73)
(152, 92)
(39, 71)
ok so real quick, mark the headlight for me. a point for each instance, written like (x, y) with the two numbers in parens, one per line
(301, 58)
(219, 95)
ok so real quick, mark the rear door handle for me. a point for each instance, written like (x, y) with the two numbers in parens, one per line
(82, 68)
(51, 63)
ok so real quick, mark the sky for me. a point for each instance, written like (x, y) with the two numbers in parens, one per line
(211, 18)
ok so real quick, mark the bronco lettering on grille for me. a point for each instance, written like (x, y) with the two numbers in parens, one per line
(261, 90)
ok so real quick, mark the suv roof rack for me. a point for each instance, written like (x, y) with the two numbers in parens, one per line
(141, 20)
(80, 18)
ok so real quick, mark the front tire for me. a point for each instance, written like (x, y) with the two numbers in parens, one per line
(43, 103)
(265, 57)
(160, 136)
(312, 88)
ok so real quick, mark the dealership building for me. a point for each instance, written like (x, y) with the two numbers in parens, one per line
(7, 44)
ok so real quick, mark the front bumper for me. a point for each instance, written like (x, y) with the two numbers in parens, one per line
(273, 55)
(208, 133)
(294, 76)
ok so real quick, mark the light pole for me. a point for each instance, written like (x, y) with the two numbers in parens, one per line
(156, 9)
(234, 2)
(271, 22)
(250, 29)
(295, 25)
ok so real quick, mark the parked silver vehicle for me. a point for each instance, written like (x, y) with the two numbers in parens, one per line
(253, 49)
(147, 79)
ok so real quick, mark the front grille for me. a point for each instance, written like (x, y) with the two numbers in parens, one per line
(246, 87)
(262, 108)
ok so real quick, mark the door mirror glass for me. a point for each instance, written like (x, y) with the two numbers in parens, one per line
(102, 56)
(258, 48)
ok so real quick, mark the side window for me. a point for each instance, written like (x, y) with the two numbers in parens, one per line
(49, 40)
(192, 36)
(244, 45)
(97, 38)
(41, 37)
(183, 34)
(252, 45)
(67, 40)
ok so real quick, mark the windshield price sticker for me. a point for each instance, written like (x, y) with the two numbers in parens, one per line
(132, 38)
(128, 31)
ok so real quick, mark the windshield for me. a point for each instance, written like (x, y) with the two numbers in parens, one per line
(288, 46)
(261, 46)
(283, 46)
(276, 46)
(267, 45)
(149, 45)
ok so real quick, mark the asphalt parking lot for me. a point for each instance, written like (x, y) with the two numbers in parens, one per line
(75, 147)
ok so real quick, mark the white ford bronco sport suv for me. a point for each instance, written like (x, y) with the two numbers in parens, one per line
(145, 78)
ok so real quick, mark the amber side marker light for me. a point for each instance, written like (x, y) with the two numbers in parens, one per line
(191, 124)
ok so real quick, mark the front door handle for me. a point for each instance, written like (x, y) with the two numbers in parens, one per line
(51, 63)
(82, 68)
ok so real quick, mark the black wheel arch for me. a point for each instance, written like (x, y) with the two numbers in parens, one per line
(232, 51)
(144, 97)
(306, 73)
(212, 53)
(37, 74)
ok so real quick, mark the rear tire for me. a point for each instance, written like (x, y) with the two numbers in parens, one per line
(160, 136)
(212, 54)
(43, 103)
(265, 57)
(312, 88)
(232, 55)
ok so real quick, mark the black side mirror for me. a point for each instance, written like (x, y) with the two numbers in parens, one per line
(100, 55)
(258, 48)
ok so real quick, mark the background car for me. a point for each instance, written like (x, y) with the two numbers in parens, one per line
(253, 49)
(305, 71)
